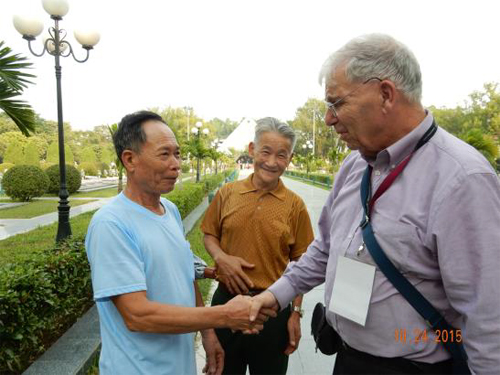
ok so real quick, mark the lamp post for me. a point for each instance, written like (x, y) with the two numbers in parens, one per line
(308, 145)
(215, 145)
(57, 46)
(197, 131)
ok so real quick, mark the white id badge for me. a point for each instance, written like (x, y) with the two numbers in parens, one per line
(352, 289)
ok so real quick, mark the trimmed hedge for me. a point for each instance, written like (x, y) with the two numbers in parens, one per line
(39, 300)
(73, 179)
(187, 197)
(24, 182)
(323, 179)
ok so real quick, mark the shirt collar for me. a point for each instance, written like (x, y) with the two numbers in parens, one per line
(278, 192)
(395, 153)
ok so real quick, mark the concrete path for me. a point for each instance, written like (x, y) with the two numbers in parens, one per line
(10, 227)
(305, 360)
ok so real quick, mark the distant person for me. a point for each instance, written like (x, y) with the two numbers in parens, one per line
(253, 229)
(438, 222)
(142, 266)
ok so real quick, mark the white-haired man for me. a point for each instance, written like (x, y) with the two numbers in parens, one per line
(433, 204)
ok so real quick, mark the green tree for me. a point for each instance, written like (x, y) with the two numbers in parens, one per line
(13, 81)
(31, 155)
(14, 153)
(53, 154)
(119, 166)
(484, 143)
(88, 155)
(7, 138)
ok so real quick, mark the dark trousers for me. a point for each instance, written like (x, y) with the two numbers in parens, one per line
(351, 361)
(262, 353)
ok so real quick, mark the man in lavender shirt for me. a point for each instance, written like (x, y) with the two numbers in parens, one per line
(439, 222)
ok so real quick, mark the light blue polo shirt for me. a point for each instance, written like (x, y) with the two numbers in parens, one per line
(132, 249)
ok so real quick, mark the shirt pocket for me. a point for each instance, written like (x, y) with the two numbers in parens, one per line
(281, 231)
(398, 240)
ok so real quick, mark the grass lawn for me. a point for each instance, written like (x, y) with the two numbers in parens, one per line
(103, 193)
(19, 247)
(35, 208)
(195, 238)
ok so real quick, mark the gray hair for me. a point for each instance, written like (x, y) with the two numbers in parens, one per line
(270, 124)
(377, 55)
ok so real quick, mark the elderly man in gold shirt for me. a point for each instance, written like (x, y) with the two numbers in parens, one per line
(253, 229)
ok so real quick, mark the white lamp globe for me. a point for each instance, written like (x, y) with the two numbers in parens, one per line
(87, 38)
(56, 8)
(28, 26)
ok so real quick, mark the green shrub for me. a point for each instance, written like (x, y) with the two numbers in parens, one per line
(187, 197)
(39, 300)
(73, 179)
(24, 182)
(322, 179)
(89, 168)
(212, 182)
(5, 166)
(185, 168)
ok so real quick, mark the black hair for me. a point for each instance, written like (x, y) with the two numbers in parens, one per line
(130, 134)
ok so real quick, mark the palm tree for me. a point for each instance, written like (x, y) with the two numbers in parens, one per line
(13, 81)
(119, 166)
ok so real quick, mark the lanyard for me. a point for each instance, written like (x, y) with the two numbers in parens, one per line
(368, 202)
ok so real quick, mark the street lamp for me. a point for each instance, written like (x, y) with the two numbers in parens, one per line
(216, 143)
(308, 145)
(197, 132)
(57, 46)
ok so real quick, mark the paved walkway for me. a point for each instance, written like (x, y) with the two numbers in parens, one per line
(305, 360)
(10, 227)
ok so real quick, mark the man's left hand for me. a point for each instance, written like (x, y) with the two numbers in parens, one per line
(214, 353)
(294, 333)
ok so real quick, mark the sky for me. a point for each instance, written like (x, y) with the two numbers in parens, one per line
(235, 59)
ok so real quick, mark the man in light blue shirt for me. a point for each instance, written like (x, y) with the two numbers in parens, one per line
(142, 266)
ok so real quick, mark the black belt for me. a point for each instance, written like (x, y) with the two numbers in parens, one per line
(397, 364)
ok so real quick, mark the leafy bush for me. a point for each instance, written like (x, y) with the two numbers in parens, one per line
(89, 168)
(185, 168)
(5, 166)
(322, 179)
(40, 299)
(187, 197)
(24, 182)
(73, 179)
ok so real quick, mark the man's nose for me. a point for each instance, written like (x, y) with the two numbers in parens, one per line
(176, 164)
(330, 118)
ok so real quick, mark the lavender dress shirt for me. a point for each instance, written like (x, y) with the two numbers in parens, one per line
(439, 223)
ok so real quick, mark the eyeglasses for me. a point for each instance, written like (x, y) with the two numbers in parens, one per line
(331, 106)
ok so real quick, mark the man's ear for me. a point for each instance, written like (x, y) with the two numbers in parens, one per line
(251, 148)
(388, 92)
(129, 160)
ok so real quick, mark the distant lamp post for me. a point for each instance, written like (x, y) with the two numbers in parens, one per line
(57, 46)
(308, 145)
(197, 131)
(216, 146)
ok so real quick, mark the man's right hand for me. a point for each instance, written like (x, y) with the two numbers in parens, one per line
(263, 301)
(230, 272)
(238, 315)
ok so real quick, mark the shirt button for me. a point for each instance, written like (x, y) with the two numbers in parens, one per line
(258, 207)
(377, 172)
(393, 166)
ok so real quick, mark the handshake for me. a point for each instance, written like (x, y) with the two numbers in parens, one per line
(248, 314)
